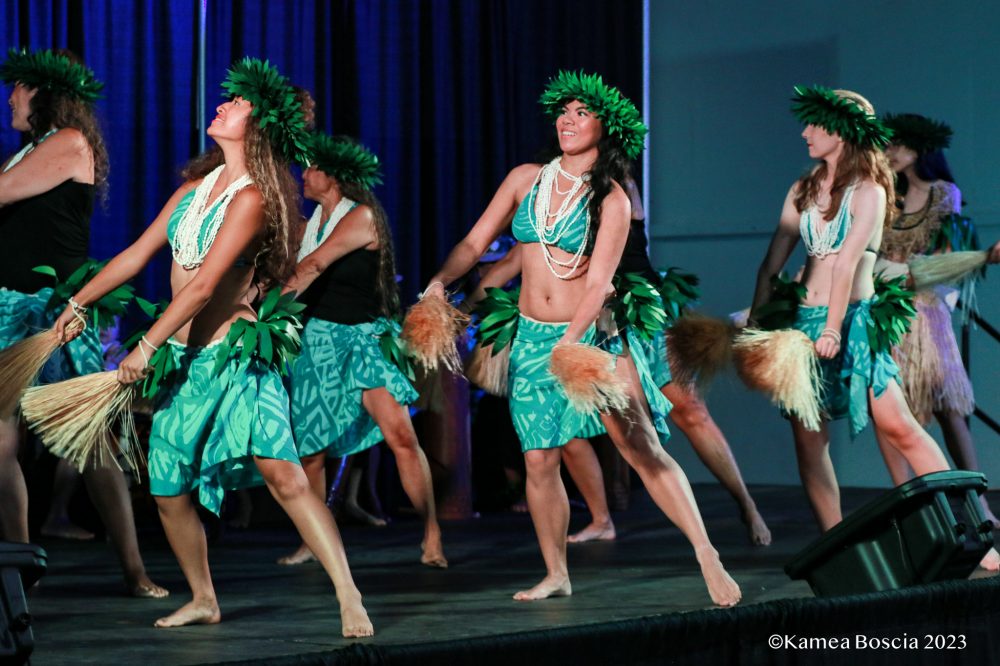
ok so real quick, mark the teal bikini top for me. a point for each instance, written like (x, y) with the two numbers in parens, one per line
(574, 225)
(175, 220)
(830, 238)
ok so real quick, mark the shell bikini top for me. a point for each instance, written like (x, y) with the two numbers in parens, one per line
(573, 228)
(828, 239)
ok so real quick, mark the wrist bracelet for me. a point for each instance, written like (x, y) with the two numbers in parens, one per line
(831, 333)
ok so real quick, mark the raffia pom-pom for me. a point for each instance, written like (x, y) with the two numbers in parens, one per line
(76, 419)
(489, 371)
(699, 348)
(783, 365)
(20, 364)
(945, 268)
(587, 374)
(429, 332)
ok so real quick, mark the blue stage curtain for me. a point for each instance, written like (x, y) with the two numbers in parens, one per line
(145, 54)
(444, 91)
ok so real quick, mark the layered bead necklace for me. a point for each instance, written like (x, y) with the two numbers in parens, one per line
(550, 233)
(197, 229)
(316, 233)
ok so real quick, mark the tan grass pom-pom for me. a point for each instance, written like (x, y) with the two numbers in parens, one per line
(698, 348)
(587, 374)
(20, 364)
(944, 268)
(76, 419)
(430, 330)
(489, 371)
(784, 366)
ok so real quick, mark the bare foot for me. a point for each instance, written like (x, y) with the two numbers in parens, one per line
(757, 529)
(355, 512)
(354, 622)
(991, 562)
(63, 529)
(594, 532)
(520, 506)
(721, 586)
(193, 612)
(300, 556)
(141, 587)
(432, 553)
(549, 587)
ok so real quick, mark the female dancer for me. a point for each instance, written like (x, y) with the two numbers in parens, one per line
(840, 208)
(346, 396)
(568, 265)
(215, 430)
(47, 193)
(933, 377)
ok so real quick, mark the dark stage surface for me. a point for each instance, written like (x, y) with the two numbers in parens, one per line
(273, 612)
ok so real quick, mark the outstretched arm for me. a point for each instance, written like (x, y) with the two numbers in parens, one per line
(608, 247)
(785, 237)
(353, 232)
(493, 221)
(126, 265)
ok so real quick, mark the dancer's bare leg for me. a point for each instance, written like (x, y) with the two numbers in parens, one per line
(361, 474)
(13, 491)
(315, 468)
(109, 493)
(290, 487)
(57, 523)
(812, 451)
(639, 444)
(393, 420)
(899, 469)
(549, 508)
(958, 439)
(585, 469)
(901, 430)
(692, 418)
(187, 540)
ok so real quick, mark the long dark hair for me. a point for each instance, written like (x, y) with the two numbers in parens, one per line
(48, 109)
(385, 284)
(929, 166)
(611, 166)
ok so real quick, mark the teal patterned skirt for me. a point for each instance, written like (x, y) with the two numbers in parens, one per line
(23, 315)
(542, 414)
(338, 363)
(208, 427)
(655, 352)
(848, 376)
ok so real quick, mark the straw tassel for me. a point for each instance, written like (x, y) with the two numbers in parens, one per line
(20, 364)
(932, 270)
(430, 330)
(587, 374)
(489, 371)
(699, 347)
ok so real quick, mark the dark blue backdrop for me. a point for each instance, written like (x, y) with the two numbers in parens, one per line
(443, 90)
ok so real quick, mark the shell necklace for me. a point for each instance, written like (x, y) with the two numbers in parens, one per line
(316, 234)
(562, 221)
(197, 229)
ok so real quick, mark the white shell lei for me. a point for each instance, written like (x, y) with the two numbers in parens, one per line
(828, 240)
(551, 234)
(188, 252)
(312, 239)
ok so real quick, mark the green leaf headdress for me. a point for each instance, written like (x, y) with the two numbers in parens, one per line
(48, 70)
(917, 132)
(838, 115)
(275, 105)
(618, 114)
(345, 159)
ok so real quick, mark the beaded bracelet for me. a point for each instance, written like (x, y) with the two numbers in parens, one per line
(831, 333)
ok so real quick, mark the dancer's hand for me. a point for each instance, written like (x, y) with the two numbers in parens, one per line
(133, 368)
(434, 289)
(62, 327)
(994, 256)
(827, 347)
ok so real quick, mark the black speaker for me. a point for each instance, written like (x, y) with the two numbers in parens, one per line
(929, 529)
(21, 565)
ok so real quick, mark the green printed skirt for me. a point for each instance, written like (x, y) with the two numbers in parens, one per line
(848, 376)
(655, 352)
(208, 427)
(337, 364)
(23, 315)
(542, 414)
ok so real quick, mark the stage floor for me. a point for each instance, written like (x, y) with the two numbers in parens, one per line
(270, 611)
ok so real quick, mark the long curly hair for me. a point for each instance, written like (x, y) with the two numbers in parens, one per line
(856, 163)
(48, 109)
(385, 284)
